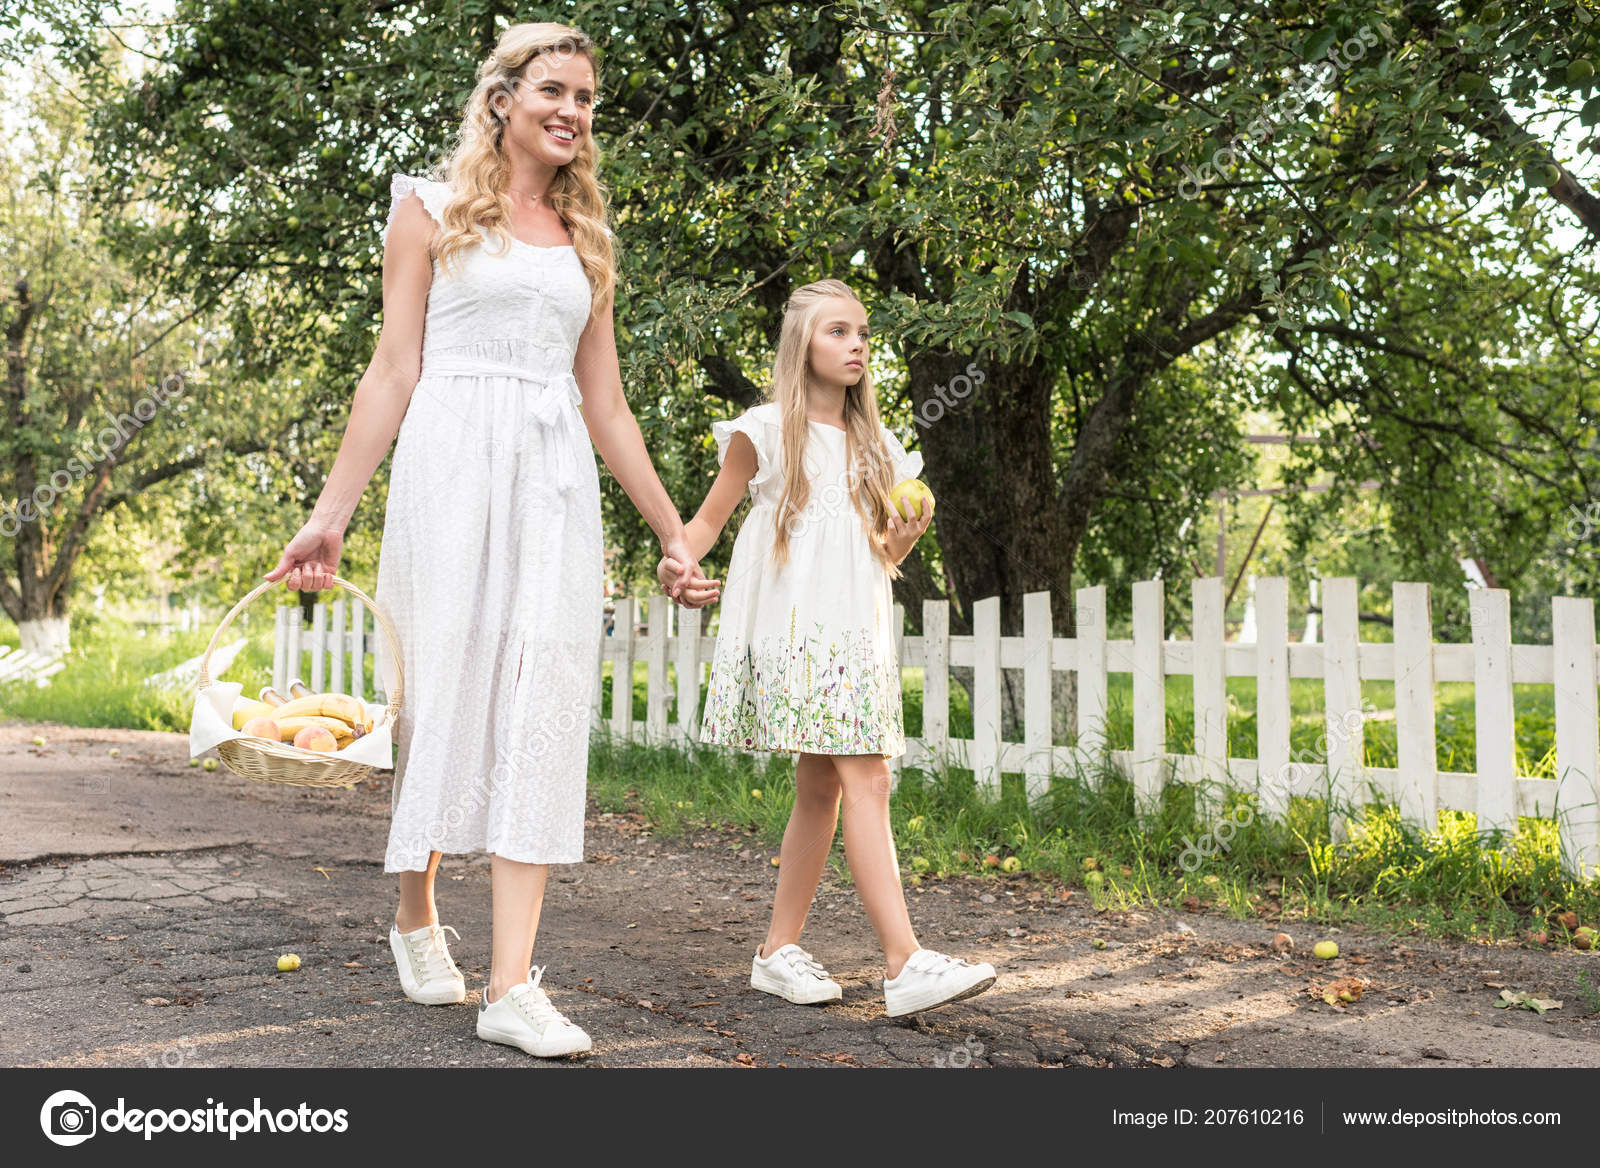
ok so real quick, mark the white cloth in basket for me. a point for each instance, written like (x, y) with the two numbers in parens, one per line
(491, 563)
(211, 723)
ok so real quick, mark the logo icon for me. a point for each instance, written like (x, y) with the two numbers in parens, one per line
(67, 1118)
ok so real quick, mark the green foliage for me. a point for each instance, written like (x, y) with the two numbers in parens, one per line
(1127, 217)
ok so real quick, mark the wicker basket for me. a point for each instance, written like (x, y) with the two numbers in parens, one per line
(281, 762)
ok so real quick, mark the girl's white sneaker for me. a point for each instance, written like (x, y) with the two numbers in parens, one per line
(931, 979)
(794, 974)
(524, 1017)
(426, 972)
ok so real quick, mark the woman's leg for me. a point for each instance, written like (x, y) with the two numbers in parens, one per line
(417, 909)
(869, 846)
(518, 895)
(806, 844)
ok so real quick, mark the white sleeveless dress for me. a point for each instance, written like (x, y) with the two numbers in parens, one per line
(491, 563)
(805, 654)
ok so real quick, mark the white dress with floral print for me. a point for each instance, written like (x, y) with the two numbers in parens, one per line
(805, 653)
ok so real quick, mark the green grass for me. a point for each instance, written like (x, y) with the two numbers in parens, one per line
(102, 684)
(1444, 883)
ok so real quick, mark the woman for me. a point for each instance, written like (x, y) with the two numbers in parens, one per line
(497, 294)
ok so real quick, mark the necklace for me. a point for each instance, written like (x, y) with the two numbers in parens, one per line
(530, 198)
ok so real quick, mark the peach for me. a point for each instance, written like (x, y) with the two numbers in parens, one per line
(261, 727)
(316, 738)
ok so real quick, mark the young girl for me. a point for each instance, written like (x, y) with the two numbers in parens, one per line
(805, 658)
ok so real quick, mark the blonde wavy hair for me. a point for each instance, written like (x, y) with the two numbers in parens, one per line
(477, 168)
(870, 477)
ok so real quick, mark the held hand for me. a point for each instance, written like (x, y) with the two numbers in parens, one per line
(309, 560)
(699, 592)
(903, 534)
(688, 568)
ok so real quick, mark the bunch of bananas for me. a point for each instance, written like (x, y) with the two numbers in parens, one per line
(343, 717)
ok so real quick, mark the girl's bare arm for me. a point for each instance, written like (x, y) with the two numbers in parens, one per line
(738, 468)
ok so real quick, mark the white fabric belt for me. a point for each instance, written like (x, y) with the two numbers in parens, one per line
(554, 403)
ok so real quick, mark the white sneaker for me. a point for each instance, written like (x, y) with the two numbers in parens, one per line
(794, 974)
(523, 1017)
(426, 972)
(932, 979)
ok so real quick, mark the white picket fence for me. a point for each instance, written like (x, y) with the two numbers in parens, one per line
(18, 665)
(1412, 661)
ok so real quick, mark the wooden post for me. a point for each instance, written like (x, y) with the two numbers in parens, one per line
(1149, 693)
(622, 669)
(688, 663)
(339, 650)
(1274, 775)
(658, 605)
(1494, 707)
(986, 694)
(319, 644)
(1577, 734)
(293, 665)
(1090, 639)
(358, 649)
(1413, 706)
(280, 648)
(1341, 695)
(1210, 692)
(936, 681)
(1036, 686)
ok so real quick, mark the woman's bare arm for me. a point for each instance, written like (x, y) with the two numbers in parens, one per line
(616, 435)
(381, 399)
(384, 392)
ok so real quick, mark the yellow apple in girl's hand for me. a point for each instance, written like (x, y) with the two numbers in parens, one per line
(910, 490)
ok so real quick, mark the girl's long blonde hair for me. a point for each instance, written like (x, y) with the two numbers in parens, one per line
(870, 477)
(478, 169)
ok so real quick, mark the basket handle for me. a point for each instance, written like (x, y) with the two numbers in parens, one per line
(204, 680)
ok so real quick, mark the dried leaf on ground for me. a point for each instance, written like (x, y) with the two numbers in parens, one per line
(1510, 998)
(1340, 992)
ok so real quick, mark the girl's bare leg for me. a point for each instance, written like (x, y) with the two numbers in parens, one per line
(518, 896)
(417, 909)
(869, 847)
(806, 843)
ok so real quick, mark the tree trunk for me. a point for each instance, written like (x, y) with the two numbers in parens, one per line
(47, 636)
(984, 429)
